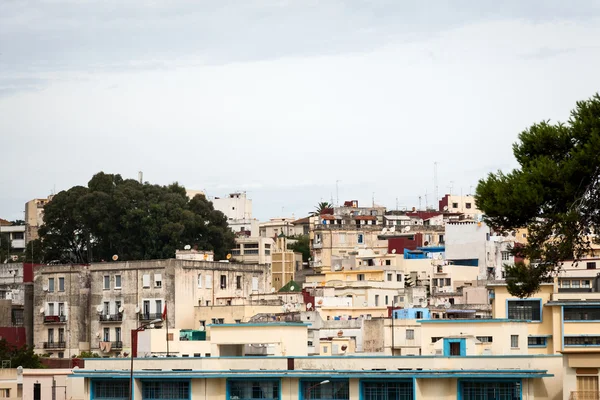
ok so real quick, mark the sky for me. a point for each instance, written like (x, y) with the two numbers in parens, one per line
(294, 102)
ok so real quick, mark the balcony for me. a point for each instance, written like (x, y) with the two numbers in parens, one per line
(149, 316)
(584, 396)
(108, 318)
(55, 319)
(116, 345)
(317, 245)
(54, 345)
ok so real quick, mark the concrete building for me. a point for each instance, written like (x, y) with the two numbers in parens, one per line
(253, 250)
(83, 308)
(34, 217)
(238, 210)
(333, 377)
(16, 235)
(466, 244)
(284, 263)
(460, 204)
(282, 225)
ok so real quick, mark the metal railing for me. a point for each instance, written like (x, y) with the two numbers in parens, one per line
(110, 317)
(116, 345)
(585, 395)
(55, 319)
(55, 345)
(149, 316)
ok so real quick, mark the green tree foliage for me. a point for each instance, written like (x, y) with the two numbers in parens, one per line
(132, 220)
(301, 245)
(6, 248)
(320, 207)
(87, 354)
(33, 252)
(17, 222)
(19, 357)
(555, 194)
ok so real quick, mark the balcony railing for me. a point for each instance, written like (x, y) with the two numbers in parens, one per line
(116, 345)
(584, 395)
(54, 345)
(55, 319)
(110, 317)
(149, 316)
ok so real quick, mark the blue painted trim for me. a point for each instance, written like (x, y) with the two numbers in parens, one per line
(254, 325)
(562, 328)
(263, 379)
(596, 321)
(361, 383)
(326, 357)
(546, 336)
(460, 321)
(460, 382)
(331, 380)
(532, 299)
(584, 334)
(333, 371)
(586, 303)
(463, 346)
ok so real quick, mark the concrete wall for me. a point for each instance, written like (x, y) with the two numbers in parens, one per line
(65, 387)
(467, 240)
(288, 340)
(230, 314)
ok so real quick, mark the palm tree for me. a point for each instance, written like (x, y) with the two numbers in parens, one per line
(319, 208)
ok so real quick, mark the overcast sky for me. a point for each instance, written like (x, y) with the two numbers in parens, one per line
(283, 98)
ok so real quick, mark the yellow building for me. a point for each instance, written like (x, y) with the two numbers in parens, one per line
(284, 263)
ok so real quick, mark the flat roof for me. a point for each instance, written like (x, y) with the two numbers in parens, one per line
(477, 320)
(259, 324)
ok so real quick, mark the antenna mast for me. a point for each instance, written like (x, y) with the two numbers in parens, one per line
(435, 181)
(337, 193)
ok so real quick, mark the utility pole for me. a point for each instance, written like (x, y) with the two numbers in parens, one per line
(435, 181)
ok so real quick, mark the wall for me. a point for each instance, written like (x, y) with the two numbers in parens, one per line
(230, 314)
(66, 388)
(467, 240)
(290, 339)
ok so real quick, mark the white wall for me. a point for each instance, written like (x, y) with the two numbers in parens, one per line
(467, 240)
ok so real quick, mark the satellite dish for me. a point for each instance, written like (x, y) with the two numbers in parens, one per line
(97, 334)
(121, 309)
(187, 247)
(440, 257)
(272, 290)
(201, 328)
(137, 309)
(447, 305)
(292, 288)
(289, 306)
(445, 208)
(309, 306)
(406, 228)
(115, 257)
(364, 303)
(42, 310)
(99, 308)
(393, 251)
(229, 256)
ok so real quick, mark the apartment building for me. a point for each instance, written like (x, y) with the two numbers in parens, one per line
(284, 263)
(253, 250)
(95, 307)
(34, 217)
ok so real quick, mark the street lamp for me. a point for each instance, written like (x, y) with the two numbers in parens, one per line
(134, 332)
(314, 386)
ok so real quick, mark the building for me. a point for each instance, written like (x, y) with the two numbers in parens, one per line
(466, 244)
(253, 250)
(93, 307)
(34, 217)
(277, 226)
(284, 263)
(460, 204)
(334, 377)
(16, 235)
(238, 210)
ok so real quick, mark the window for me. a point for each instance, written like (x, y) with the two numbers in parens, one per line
(61, 284)
(505, 256)
(325, 349)
(51, 285)
(111, 389)
(106, 308)
(146, 281)
(485, 339)
(147, 308)
(468, 205)
(585, 284)
(525, 309)
(376, 300)
(360, 277)
(167, 389)
(61, 309)
(334, 390)
(170, 337)
(386, 300)
(342, 238)
(199, 281)
(157, 280)
(61, 354)
(582, 340)
(238, 282)
(117, 281)
(223, 281)
(581, 314)
(565, 284)
(398, 277)
(435, 339)
(389, 277)
(514, 341)
(250, 389)
(410, 334)
(361, 238)
(254, 283)
(107, 334)
(419, 314)
(388, 262)
(590, 265)
(50, 335)
(448, 282)
(61, 335)
(159, 307)
(454, 205)
(493, 390)
(51, 309)
(208, 282)
(536, 341)
(575, 284)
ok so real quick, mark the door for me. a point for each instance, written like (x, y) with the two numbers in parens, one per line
(147, 309)
(587, 388)
(455, 347)
(37, 391)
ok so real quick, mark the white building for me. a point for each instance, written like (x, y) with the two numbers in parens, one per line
(16, 235)
(466, 244)
(238, 210)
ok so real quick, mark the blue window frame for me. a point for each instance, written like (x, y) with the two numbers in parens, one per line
(530, 310)
(243, 389)
(490, 390)
(537, 341)
(163, 390)
(387, 390)
(335, 389)
(110, 389)
(582, 341)
(581, 314)
(455, 347)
